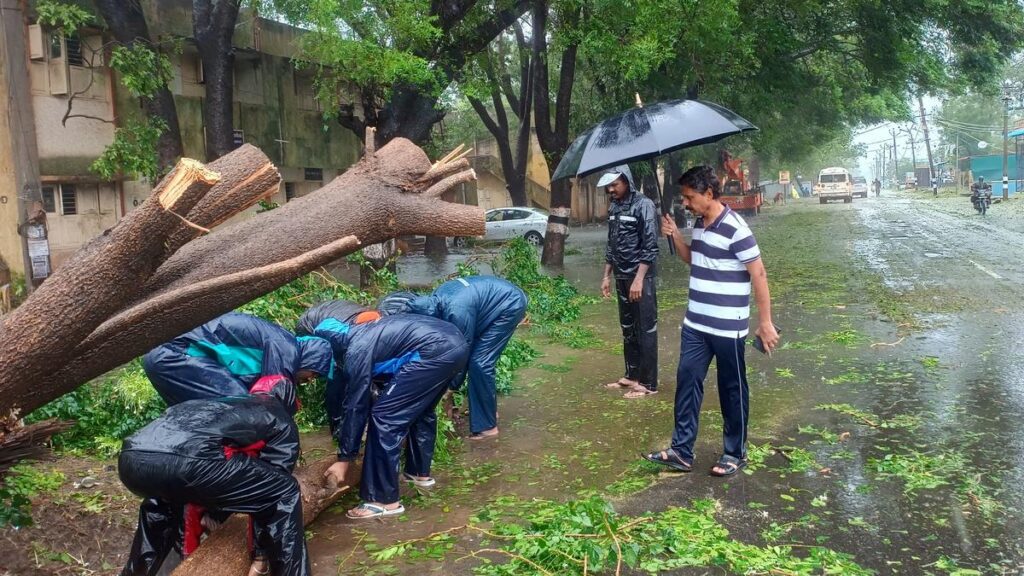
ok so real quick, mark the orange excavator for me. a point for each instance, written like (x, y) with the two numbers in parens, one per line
(736, 191)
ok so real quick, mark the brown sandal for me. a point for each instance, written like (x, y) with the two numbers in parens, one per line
(639, 391)
(620, 384)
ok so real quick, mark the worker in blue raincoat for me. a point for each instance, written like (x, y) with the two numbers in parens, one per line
(406, 362)
(486, 310)
(229, 356)
(233, 454)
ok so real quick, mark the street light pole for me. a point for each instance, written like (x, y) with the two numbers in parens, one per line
(928, 147)
(1006, 162)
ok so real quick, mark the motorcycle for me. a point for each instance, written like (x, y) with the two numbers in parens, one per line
(981, 198)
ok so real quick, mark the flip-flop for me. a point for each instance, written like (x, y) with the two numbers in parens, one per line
(377, 511)
(617, 385)
(673, 460)
(730, 464)
(479, 436)
(417, 481)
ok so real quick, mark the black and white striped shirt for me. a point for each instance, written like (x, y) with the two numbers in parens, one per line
(719, 301)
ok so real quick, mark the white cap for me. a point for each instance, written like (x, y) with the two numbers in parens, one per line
(607, 178)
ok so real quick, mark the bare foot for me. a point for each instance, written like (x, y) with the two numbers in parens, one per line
(621, 383)
(485, 434)
(259, 567)
(375, 510)
(638, 391)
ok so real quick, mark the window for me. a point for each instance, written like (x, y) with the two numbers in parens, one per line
(49, 198)
(515, 214)
(68, 199)
(832, 178)
(74, 46)
(238, 138)
(494, 216)
(289, 191)
(314, 174)
(56, 47)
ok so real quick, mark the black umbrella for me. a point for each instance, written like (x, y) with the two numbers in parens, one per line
(645, 132)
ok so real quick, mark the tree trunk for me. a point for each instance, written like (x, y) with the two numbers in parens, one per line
(558, 223)
(226, 551)
(108, 305)
(127, 22)
(213, 24)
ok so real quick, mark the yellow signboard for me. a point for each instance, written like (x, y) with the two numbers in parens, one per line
(784, 177)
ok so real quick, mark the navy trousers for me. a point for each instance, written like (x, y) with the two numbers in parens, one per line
(483, 362)
(178, 377)
(406, 408)
(697, 350)
(243, 485)
(639, 321)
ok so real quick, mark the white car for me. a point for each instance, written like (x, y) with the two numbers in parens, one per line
(860, 186)
(518, 222)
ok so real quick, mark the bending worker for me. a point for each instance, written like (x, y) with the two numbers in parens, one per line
(232, 454)
(231, 355)
(406, 362)
(486, 310)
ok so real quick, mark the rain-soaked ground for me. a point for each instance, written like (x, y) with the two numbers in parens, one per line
(886, 427)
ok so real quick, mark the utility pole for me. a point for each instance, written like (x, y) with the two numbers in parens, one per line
(956, 170)
(895, 162)
(928, 147)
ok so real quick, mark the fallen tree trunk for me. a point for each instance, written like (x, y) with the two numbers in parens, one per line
(27, 442)
(392, 192)
(226, 552)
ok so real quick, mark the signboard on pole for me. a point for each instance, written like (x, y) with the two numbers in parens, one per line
(784, 177)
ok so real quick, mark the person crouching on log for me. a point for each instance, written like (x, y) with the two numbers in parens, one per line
(486, 310)
(232, 355)
(393, 372)
(233, 454)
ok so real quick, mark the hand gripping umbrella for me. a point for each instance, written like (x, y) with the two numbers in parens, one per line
(645, 132)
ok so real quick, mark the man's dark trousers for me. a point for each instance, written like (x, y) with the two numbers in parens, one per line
(639, 321)
(697, 349)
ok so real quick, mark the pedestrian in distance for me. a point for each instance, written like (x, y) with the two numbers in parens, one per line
(630, 263)
(725, 263)
(487, 310)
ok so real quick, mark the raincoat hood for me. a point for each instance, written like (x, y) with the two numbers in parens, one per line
(341, 310)
(315, 354)
(613, 175)
(396, 303)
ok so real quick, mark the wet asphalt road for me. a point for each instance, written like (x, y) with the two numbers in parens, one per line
(902, 369)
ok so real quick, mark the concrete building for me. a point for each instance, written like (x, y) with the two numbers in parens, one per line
(47, 150)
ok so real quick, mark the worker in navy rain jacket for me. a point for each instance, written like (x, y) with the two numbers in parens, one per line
(413, 359)
(345, 312)
(486, 310)
(232, 454)
(228, 355)
(630, 258)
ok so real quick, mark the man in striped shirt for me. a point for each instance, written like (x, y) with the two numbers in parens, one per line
(724, 261)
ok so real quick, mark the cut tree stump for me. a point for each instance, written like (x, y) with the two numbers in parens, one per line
(226, 551)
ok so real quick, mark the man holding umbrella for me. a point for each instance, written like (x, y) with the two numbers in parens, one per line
(630, 257)
(724, 262)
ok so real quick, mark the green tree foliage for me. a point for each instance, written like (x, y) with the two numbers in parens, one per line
(133, 151)
(64, 17)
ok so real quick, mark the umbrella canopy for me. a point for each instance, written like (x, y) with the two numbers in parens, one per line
(643, 133)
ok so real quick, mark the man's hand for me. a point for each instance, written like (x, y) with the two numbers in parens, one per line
(606, 287)
(636, 289)
(335, 475)
(668, 225)
(769, 337)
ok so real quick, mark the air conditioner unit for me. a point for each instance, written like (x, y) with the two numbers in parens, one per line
(36, 46)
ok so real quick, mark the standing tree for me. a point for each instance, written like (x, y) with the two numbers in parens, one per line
(498, 85)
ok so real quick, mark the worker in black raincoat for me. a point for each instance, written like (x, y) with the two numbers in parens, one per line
(228, 355)
(412, 359)
(630, 259)
(486, 310)
(232, 454)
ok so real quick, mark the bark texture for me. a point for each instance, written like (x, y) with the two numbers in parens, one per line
(158, 274)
